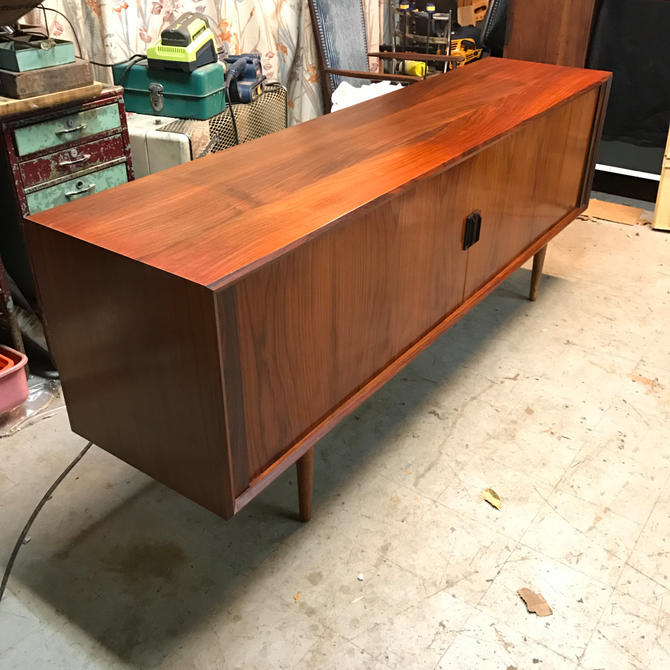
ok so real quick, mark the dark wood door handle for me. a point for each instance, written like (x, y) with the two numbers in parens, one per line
(473, 226)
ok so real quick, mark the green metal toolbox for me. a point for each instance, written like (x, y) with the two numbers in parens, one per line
(186, 95)
(34, 53)
(24, 51)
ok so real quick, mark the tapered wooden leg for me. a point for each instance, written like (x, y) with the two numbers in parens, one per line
(305, 484)
(538, 264)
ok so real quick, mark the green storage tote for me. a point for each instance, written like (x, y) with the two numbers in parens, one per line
(186, 95)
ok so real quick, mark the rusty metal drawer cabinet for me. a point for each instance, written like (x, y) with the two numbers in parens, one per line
(68, 162)
(79, 186)
(66, 129)
(51, 156)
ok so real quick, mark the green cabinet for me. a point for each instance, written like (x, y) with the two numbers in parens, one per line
(80, 186)
(65, 129)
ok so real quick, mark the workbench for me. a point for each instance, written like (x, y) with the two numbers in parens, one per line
(218, 318)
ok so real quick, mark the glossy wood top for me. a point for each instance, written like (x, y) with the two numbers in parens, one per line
(214, 220)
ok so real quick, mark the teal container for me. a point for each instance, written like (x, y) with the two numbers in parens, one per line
(186, 95)
(25, 56)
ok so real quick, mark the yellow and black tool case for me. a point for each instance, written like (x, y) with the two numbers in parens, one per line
(185, 45)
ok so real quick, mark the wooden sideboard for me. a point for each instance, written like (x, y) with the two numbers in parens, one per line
(218, 318)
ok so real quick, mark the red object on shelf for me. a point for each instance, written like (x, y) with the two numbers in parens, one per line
(5, 362)
(13, 378)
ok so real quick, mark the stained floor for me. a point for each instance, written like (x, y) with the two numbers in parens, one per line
(562, 406)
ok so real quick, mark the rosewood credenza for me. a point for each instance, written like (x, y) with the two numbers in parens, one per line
(211, 322)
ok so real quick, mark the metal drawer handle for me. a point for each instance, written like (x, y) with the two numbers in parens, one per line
(75, 161)
(71, 194)
(65, 131)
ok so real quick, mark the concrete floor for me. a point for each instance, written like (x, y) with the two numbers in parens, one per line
(562, 406)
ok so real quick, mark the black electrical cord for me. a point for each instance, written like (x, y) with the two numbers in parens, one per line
(234, 69)
(134, 58)
(74, 32)
(122, 77)
(76, 39)
(232, 113)
(33, 516)
(46, 20)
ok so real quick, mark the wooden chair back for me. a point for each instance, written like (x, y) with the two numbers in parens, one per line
(339, 26)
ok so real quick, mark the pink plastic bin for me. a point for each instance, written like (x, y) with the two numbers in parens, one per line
(13, 379)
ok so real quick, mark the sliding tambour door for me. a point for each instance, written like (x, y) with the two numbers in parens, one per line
(318, 323)
(526, 183)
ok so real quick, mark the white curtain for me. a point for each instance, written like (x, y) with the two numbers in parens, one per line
(280, 31)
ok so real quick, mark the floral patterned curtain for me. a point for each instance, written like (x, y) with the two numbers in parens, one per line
(110, 31)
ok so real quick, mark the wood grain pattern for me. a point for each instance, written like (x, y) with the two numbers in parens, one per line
(374, 76)
(549, 31)
(524, 185)
(321, 320)
(596, 133)
(296, 289)
(46, 80)
(299, 448)
(233, 211)
(231, 372)
(11, 106)
(136, 349)
(325, 318)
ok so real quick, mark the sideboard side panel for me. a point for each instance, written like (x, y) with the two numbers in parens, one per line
(233, 392)
(596, 136)
(138, 353)
(564, 152)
